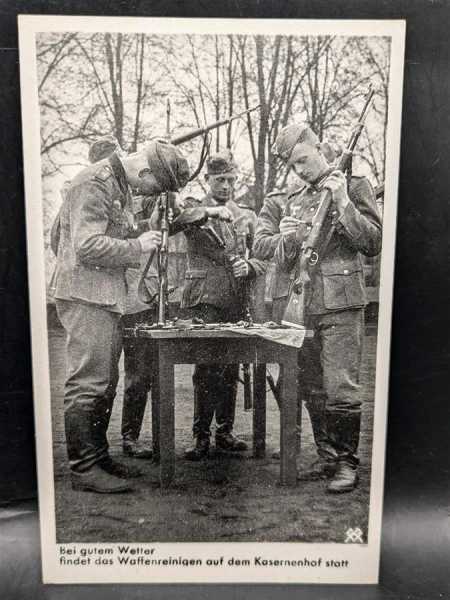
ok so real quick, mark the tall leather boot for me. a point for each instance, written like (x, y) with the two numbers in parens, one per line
(101, 424)
(325, 464)
(86, 434)
(203, 413)
(343, 430)
(225, 412)
(315, 405)
(103, 414)
(133, 410)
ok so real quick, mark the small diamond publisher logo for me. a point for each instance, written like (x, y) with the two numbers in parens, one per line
(353, 536)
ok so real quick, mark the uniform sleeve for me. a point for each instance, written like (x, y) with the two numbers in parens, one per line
(360, 222)
(142, 226)
(258, 266)
(55, 233)
(191, 216)
(267, 233)
(90, 214)
(286, 252)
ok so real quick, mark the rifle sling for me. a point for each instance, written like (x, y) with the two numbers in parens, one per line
(142, 290)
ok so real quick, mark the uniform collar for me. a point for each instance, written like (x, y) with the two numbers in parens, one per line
(119, 173)
(121, 177)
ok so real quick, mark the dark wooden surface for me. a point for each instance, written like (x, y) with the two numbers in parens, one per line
(207, 332)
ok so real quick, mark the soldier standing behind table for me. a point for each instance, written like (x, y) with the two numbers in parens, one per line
(329, 365)
(98, 241)
(137, 358)
(219, 272)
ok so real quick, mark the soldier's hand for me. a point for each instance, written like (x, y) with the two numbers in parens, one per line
(150, 240)
(240, 268)
(289, 225)
(219, 212)
(337, 184)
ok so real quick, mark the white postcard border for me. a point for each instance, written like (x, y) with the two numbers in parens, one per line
(363, 559)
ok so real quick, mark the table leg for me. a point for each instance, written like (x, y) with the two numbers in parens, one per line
(156, 395)
(288, 422)
(259, 411)
(166, 418)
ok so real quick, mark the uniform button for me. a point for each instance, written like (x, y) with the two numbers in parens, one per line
(334, 213)
(205, 296)
(312, 209)
(345, 271)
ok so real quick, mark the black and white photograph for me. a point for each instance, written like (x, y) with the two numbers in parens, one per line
(211, 214)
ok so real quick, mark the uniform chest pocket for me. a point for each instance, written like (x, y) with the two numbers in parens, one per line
(97, 285)
(194, 287)
(343, 286)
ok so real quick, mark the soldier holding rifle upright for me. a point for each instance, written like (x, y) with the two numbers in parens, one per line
(329, 364)
(218, 273)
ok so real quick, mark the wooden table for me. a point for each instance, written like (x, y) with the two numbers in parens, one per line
(170, 347)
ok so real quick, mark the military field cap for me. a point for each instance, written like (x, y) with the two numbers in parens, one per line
(102, 148)
(167, 164)
(330, 152)
(220, 163)
(289, 137)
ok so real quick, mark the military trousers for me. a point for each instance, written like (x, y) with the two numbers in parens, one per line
(138, 376)
(329, 373)
(215, 385)
(93, 350)
(329, 368)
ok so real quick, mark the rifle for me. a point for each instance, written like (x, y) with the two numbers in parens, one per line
(242, 291)
(165, 218)
(202, 131)
(321, 232)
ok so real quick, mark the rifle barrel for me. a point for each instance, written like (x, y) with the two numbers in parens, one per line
(354, 136)
(190, 135)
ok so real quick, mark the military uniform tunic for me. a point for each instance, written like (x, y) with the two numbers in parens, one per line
(267, 236)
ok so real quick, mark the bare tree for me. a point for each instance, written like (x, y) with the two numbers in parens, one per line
(92, 84)
(117, 83)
